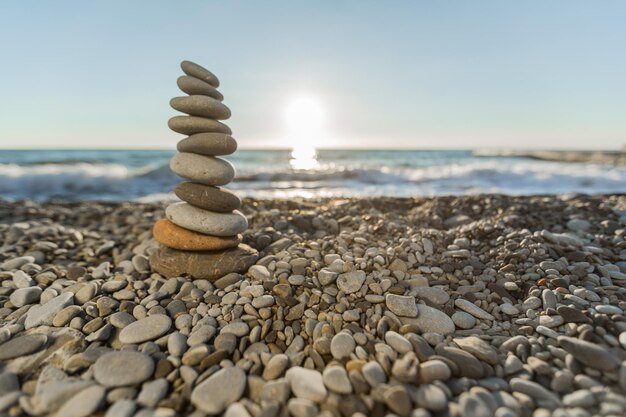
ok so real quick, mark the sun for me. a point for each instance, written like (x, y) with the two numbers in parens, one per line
(304, 114)
(304, 117)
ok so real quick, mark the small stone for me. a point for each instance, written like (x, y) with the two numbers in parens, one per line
(581, 398)
(373, 373)
(473, 309)
(435, 295)
(473, 406)
(190, 125)
(152, 392)
(398, 342)
(430, 320)
(121, 408)
(532, 303)
(535, 391)
(218, 391)
(22, 280)
(22, 346)
(85, 403)
(463, 320)
(479, 348)
(193, 85)
(207, 197)
(590, 354)
(509, 309)
(401, 305)
(342, 345)
(578, 225)
(44, 314)
(208, 170)
(123, 368)
(25, 296)
(351, 282)
(336, 379)
(16, 263)
(398, 400)
(194, 70)
(431, 397)
(176, 237)
(203, 265)
(239, 329)
(276, 367)
(149, 328)
(202, 106)
(434, 370)
(307, 383)
(572, 315)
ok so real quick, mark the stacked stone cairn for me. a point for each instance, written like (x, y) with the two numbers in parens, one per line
(201, 236)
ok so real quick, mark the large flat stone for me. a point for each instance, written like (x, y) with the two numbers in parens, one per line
(203, 265)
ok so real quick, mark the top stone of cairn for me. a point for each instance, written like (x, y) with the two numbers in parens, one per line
(194, 70)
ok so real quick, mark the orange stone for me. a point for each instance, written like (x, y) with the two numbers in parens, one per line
(175, 237)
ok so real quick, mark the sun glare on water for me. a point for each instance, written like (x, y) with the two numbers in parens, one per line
(304, 116)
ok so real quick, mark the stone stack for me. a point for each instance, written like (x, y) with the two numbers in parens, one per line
(201, 236)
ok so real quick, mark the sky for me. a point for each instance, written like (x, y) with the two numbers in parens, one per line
(393, 74)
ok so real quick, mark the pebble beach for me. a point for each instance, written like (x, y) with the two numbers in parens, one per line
(470, 306)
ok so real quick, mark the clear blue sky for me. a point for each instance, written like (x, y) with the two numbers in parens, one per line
(414, 74)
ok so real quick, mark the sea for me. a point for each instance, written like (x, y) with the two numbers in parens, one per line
(144, 175)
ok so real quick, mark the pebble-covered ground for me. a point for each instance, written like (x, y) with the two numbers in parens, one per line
(452, 306)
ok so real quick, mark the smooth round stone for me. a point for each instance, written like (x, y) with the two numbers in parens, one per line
(208, 197)
(190, 125)
(590, 354)
(219, 390)
(22, 346)
(176, 237)
(307, 384)
(201, 106)
(373, 373)
(193, 85)
(83, 404)
(430, 320)
(216, 224)
(342, 345)
(211, 144)
(401, 305)
(463, 320)
(276, 366)
(209, 170)
(122, 368)
(25, 296)
(336, 379)
(194, 70)
(351, 282)
(210, 265)
(149, 328)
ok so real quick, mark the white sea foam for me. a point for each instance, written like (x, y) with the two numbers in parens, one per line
(116, 181)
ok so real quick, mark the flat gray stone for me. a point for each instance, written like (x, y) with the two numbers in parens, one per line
(83, 404)
(192, 85)
(590, 354)
(211, 144)
(473, 309)
(194, 70)
(215, 224)
(401, 305)
(435, 295)
(351, 282)
(202, 106)
(342, 345)
(208, 197)
(190, 125)
(219, 390)
(430, 320)
(25, 296)
(22, 346)
(44, 314)
(123, 368)
(208, 170)
(149, 328)
(307, 384)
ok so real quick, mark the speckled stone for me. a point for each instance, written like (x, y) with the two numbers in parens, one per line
(208, 197)
(208, 144)
(190, 125)
(202, 106)
(207, 222)
(192, 85)
(194, 70)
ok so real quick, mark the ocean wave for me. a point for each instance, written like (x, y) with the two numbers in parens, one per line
(101, 181)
